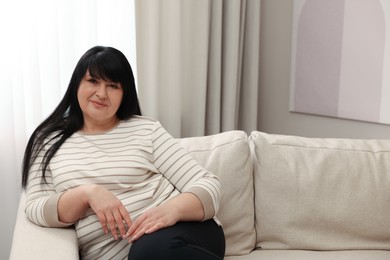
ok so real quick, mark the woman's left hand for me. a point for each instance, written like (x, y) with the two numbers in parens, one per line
(184, 207)
(150, 221)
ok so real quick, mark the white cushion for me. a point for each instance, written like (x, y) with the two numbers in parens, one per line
(321, 194)
(228, 156)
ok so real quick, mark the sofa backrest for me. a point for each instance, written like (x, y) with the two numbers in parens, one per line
(321, 193)
(228, 156)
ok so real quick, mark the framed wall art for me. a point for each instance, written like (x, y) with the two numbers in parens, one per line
(340, 64)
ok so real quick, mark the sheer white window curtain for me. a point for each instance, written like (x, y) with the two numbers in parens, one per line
(198, 64)
(41, 43)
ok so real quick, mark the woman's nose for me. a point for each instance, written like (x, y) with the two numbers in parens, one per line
(101, 91)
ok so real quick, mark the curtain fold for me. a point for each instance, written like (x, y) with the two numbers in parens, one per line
(198, 64)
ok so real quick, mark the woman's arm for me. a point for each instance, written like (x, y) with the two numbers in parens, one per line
(72, 204)
(41, 197)
(183, 172)
(200, 189)
(110, 211)
(46, 207)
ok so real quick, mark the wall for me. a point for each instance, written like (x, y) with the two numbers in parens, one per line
(274, 116)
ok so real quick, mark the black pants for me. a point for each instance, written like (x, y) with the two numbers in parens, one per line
(185, 241)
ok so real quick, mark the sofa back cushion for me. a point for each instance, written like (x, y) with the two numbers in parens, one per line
(228, 156)
(321, 193)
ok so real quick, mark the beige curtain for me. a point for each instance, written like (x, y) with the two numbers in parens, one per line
(198, 64)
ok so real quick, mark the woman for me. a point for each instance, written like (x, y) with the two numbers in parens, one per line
(118, 177)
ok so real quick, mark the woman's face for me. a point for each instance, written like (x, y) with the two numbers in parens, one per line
(99, 101)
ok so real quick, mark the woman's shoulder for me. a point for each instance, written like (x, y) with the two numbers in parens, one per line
(140, 122)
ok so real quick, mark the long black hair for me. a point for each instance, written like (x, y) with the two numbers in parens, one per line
(102, 62)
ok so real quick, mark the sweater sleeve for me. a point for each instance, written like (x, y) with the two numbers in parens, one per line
(186, 174)
(41, 197)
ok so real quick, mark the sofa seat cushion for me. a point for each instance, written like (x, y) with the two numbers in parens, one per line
(321, 193)
(228, 156)
(313, 255)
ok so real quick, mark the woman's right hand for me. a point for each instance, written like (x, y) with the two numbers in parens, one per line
(110, 211)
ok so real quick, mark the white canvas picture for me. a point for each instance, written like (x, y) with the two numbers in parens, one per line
(341, 59)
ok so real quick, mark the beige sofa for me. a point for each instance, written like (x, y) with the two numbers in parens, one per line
(283, 197)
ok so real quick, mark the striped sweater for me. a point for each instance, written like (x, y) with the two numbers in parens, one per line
(137, 160)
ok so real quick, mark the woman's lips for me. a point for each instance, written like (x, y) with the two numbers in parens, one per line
(98, 104)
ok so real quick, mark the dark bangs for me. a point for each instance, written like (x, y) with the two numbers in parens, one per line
(102, 66)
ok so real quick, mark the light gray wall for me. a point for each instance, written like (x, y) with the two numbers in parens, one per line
(276, 26)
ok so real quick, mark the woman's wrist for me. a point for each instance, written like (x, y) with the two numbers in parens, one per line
(187, 207)
(87, 191)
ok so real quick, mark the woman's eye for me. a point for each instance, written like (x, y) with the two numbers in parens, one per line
(91, 80)
(114, 86)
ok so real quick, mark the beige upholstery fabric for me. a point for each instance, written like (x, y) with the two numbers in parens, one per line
(31, 241)
(321, 194)
(228, 156)
(314, 255)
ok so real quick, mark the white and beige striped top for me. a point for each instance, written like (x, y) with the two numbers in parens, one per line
(137, 160)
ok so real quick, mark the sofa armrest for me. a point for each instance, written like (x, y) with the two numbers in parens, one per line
(33, 242)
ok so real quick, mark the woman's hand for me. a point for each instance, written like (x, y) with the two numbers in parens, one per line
(184, 207)
(109, 210)
(152, 220)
